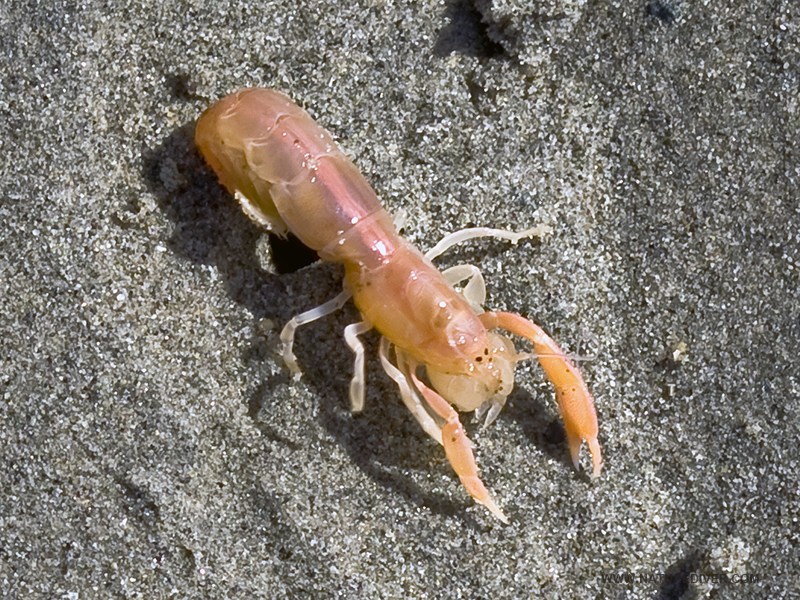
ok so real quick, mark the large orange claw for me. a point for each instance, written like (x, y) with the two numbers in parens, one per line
(575, 403)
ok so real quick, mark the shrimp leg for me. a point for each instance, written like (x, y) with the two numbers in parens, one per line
(407, 392)
(575, 403)
(475, 290)
(462, 235)
(357, 383)
(458, 448)
(287, 334)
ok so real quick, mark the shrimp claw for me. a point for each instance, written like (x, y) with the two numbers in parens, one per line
(575, 403)
(288, 331)
(458, 449)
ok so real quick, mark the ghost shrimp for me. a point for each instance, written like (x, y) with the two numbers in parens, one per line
(439, 346)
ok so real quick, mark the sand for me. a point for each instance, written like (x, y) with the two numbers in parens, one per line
(154, 446)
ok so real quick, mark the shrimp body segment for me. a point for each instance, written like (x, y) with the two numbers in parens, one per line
(289, 175)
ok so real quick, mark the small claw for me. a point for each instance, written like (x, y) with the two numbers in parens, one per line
(495, 510)
(580, 421)
(481, 495)
(458, 449)
(575, 442)
(597, 460)
(491, 409)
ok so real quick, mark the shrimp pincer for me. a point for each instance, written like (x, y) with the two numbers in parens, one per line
(437, 344)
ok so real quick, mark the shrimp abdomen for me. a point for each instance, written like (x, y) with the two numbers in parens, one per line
(271, 151)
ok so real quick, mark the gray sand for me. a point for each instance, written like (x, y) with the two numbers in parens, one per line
(153, 445)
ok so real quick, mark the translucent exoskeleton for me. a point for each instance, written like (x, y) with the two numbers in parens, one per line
(439, 346)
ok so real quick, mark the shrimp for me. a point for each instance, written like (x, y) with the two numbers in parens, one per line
(289, 175)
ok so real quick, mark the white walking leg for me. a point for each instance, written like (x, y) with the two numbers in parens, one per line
(475, 290)
(357, 383)
(463, 235)
(287, 335)
(408, 394)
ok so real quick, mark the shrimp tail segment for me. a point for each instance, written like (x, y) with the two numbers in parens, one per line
(458, 449)
(575, 403)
